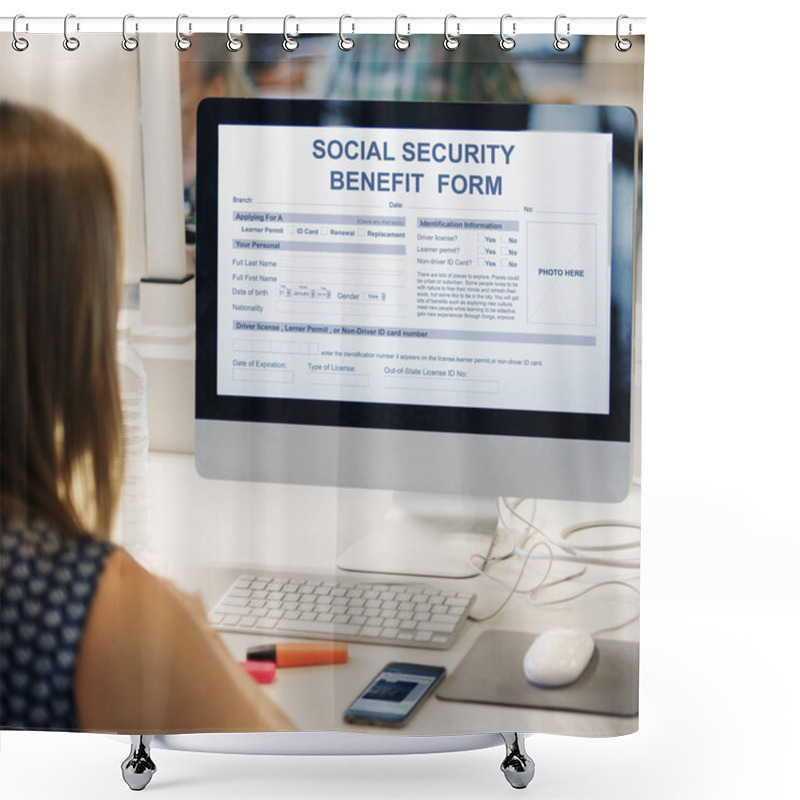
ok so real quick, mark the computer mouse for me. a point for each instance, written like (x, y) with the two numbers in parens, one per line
(558, 657)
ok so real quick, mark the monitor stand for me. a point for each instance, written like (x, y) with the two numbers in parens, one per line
(426, 535)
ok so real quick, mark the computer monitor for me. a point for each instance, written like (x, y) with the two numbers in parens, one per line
(428, 298)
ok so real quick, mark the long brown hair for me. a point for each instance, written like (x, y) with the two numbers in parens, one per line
(60, 417)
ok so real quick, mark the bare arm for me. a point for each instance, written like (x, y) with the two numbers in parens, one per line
(150, 663)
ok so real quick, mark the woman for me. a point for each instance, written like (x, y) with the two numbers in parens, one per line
(88, 639)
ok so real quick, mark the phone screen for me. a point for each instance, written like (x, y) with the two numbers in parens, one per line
(394, 694)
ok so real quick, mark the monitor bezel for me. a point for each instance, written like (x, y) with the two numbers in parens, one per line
(209, 405)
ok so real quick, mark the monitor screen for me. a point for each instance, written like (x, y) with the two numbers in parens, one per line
(415, 296)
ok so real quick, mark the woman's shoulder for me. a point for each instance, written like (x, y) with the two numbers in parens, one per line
(32, 546)
(47, 585)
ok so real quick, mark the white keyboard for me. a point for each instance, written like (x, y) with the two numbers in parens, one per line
(324, 607)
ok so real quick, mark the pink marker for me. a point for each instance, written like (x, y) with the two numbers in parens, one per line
(260, 671)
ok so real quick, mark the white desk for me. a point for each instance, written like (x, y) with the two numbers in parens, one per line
(205, 532)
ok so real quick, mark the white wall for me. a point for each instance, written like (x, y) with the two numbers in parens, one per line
(48, 76)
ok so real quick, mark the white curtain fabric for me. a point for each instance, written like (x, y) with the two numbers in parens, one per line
(204, 530)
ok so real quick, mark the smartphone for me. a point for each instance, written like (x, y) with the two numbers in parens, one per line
(394, 694)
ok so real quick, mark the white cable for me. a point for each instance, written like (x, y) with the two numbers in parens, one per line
(530, 525)
(596, 562)
(513, 589)
(573, 555)
(591, 589)
(602, 524)
(487, 561)
(574, 551)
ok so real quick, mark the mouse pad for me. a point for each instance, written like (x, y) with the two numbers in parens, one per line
(491, 672)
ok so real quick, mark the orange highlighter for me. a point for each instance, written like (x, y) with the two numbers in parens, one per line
(299, 654)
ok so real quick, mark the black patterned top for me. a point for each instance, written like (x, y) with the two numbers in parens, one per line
(47, 582)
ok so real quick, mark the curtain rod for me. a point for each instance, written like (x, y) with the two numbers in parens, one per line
(299, 25)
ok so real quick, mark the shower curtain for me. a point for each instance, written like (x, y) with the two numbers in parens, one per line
(460, 312)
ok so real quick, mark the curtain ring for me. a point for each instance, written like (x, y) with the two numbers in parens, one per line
(289, 44)
(18, 42)
(561, 43)
(181, 42)
(129, 43)
(71, 43)
(345, 43)
(401, 42)
(506, 42)
(623, 45)
(451, 42)
(233, 44)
